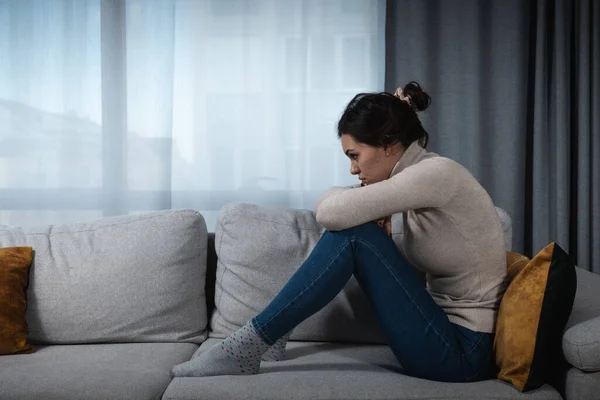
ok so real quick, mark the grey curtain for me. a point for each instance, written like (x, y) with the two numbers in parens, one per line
(516, 99)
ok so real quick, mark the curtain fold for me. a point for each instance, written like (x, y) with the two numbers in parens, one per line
(565, 128)
(515, 89)
(471, 57)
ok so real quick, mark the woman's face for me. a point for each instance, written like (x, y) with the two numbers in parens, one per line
(371, 164)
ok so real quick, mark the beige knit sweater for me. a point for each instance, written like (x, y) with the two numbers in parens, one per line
(452, 231)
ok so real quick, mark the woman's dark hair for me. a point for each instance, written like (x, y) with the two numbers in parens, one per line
(382, 119)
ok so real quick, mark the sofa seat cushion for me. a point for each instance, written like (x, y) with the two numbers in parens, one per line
(320, 370)
(92, 372)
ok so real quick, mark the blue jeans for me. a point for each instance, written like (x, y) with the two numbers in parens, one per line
(418, 331)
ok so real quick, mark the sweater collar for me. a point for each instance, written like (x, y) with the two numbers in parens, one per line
(412, 155)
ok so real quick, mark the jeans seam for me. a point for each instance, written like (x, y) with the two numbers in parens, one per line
(307, 287)
(486, 365)
(475, 345)
(387, 266)
(468, 379)
(471, 350)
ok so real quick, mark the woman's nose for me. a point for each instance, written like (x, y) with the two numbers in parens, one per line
(354, 170)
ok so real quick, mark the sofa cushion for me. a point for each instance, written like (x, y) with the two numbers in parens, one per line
(137, 278)
(320, 370)
(532, 317)
(259, 249)
(92, 372)
(14, 275)
(581, 340)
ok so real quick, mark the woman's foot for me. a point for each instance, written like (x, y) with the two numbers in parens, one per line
(239, 354)
(277, 351)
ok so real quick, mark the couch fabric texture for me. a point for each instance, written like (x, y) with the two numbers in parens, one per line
(92, 372)
(89, 260)
(581, 345)
(104, 281)
(581, 340)
(324, 370)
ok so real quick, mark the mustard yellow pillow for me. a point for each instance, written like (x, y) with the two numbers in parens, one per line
(14, 276)
(532, 317)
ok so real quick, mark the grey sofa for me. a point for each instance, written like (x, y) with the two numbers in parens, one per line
(114, 304)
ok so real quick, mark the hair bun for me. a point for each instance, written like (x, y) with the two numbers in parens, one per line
(419, 99)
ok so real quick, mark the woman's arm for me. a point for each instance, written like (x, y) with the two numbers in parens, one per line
(429, 183)
(332, 192)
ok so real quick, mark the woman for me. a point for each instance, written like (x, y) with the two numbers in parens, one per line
(452, 234)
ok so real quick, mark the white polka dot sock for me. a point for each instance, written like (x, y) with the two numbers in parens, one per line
(277, 351)
(238, 354)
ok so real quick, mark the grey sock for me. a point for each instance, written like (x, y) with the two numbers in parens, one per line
(277, 351)
(238, 354)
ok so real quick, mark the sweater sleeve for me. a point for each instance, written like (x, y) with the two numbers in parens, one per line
(429, 183)
(332, 192)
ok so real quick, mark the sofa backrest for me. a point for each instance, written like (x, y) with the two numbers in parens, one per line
(257, 249)
(137, 278)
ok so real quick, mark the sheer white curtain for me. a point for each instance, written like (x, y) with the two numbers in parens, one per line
(111, 107)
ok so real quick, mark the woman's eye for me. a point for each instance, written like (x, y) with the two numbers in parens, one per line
(354, 157)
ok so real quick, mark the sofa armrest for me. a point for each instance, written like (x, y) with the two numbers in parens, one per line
(587, 302)
(581, 339)
(581, 345)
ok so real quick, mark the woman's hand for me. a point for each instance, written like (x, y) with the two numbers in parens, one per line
(385, 223)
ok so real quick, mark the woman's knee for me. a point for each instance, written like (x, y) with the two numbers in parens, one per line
(369, 229)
